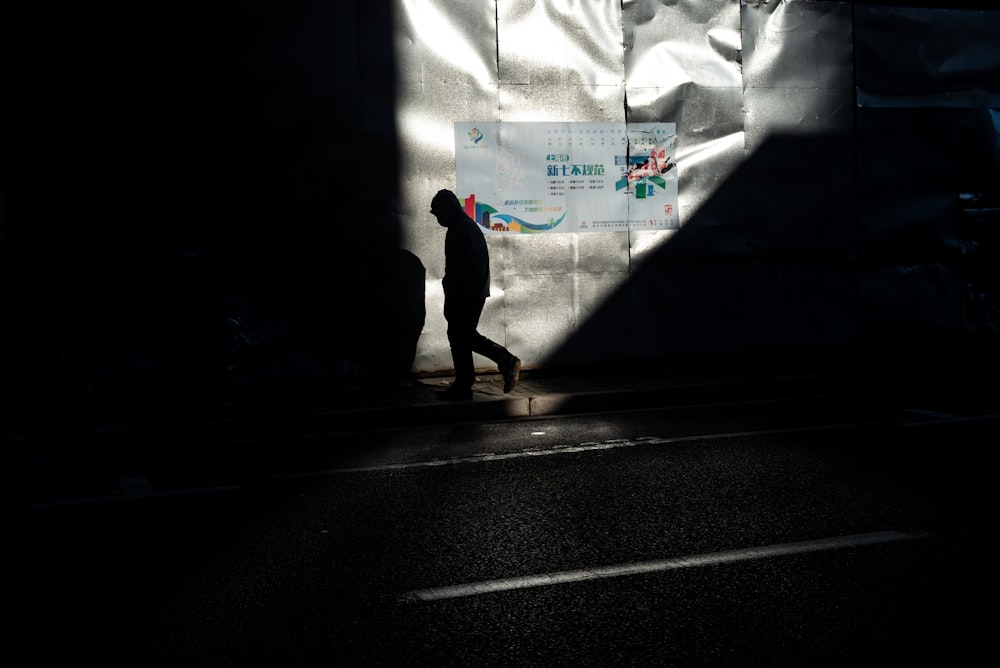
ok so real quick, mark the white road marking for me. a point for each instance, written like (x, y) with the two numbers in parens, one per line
(922, 411)
(642, 567)
(935, 417)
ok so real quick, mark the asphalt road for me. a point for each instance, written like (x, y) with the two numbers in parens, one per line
(844, 530)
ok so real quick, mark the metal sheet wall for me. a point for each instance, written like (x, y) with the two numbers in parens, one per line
(566, 61)
(785, 213)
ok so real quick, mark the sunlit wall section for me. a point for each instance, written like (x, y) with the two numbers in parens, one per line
(682, 64)
(558, 61)
(446, 52)
(559, 297)
(515, 60)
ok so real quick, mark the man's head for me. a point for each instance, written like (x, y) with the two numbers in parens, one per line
(445, 207)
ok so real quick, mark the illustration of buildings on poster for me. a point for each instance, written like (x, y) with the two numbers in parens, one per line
(531, 178)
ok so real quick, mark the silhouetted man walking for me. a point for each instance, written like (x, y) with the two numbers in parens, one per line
(466, 286)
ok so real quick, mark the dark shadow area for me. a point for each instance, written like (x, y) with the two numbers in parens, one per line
(353, 330)
(198, 201)
(928, 4)
(110, 276)
(305, 130)
(802, 254)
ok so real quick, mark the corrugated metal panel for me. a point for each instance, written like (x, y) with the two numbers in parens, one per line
(576, 62)
(771, 148)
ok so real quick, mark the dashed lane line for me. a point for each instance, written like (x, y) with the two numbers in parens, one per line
(590, 446)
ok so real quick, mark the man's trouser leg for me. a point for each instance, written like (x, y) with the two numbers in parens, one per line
(507, 363)
(493, 350)
(462, 322)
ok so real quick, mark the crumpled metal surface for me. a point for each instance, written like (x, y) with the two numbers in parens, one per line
(561, 42)
(571, 61)
(786, 181)
(683, 64)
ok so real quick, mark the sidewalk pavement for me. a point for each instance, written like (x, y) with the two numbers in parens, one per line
(540, 393)
(655, 383)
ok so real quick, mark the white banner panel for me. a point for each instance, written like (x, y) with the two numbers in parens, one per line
(530, 178)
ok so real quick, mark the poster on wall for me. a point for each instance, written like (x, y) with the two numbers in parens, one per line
(535, 178)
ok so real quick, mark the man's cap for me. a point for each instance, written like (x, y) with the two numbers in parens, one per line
(444, 201)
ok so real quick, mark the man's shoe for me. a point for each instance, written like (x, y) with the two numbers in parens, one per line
(454, 394)
(511, 374)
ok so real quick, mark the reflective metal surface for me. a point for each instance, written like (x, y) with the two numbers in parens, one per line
(785, 183)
